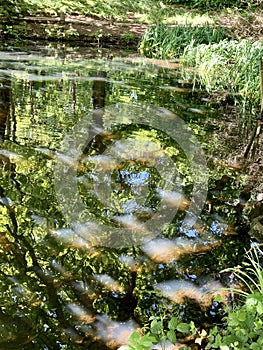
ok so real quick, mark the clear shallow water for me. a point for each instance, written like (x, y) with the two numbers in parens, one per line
(117, 200)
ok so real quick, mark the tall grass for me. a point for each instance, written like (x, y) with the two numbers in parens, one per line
(251, 272)
(228, 65)
(165, 42)
(219, 63)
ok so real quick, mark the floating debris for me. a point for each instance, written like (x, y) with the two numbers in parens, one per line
(130, 222)
(8, 154)
(130, 262)
(176, 89)
(101, 162)
(137, 150)
(69, 161)
(81, 235)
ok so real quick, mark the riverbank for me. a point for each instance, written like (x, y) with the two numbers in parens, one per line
(78, 29)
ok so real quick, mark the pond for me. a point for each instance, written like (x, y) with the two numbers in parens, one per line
(120, 198)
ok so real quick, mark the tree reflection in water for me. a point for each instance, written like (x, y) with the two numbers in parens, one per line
(61, 288)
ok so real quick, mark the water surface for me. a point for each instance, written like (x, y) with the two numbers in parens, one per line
(119, 199)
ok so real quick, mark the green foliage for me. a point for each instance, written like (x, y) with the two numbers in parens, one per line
(228, 65)
(215, 4)
(159, 331)
(243, 327)
(251, 272)
(100, 8)
(168, 42)
(128, 36)
(138, 342)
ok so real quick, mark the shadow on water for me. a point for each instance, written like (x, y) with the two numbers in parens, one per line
(99, 161)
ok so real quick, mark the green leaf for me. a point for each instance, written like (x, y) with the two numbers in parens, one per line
(171, 336)
(241, 316)
(148, 340)
(255, 346)
(258, 324)
(140, 347)
(260, 308)
(173, 323)
(156, 327)
(134, 337)
(218, 298)
(183, 327)
(218, 341)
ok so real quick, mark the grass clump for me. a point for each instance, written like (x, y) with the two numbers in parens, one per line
(220, 64)
(228, 65)
(167, 42)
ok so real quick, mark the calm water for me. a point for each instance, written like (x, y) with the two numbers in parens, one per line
(119, 198)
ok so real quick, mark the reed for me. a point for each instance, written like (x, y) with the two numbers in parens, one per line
(250, 272)
(231, 66)
(167, 42)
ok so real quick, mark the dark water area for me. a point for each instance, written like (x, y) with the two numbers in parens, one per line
(120, 198)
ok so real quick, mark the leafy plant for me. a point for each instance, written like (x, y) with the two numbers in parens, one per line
(158, 333)
(138, 342)
(243, 324)
(243, 328)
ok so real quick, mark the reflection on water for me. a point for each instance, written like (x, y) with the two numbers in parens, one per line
(129, 253)
(178, 291)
